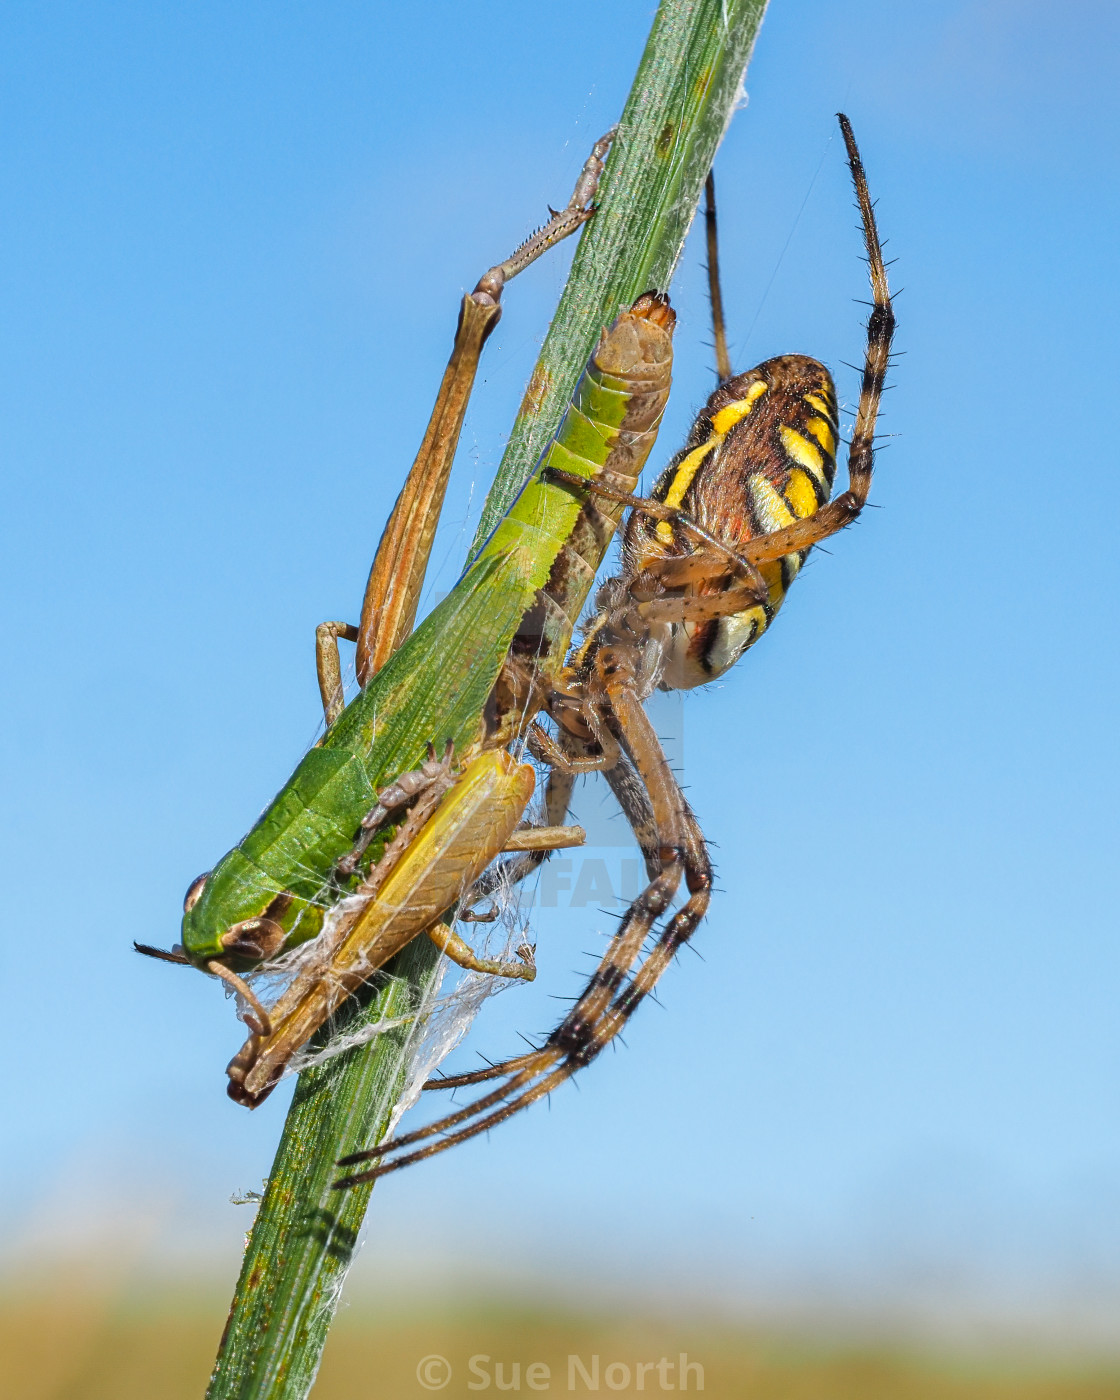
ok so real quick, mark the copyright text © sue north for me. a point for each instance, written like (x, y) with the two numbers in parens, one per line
(583, 1374)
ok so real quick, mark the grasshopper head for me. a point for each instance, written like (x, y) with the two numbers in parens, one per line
(228, 916)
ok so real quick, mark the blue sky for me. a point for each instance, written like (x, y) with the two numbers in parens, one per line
(235, 241)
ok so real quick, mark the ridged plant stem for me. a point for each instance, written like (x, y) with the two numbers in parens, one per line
(304, 1236)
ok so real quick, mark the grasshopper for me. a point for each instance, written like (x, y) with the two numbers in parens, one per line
(478, 667)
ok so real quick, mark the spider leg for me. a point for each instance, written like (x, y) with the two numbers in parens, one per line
(676, 933)
(567, 757)
(595, 1021)
(479, 1076)
(631, 796)
(691, 853)
(538, 1091)
(658, 510)
(861, 453)
(704, 608)
(715, 294)
(880, 325)
(539, 1061)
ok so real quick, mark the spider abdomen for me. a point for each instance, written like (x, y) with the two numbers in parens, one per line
(761, 455)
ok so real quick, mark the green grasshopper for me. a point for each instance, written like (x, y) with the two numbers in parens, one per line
(304, 872)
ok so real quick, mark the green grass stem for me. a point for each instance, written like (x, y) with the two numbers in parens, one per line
(304, 1236)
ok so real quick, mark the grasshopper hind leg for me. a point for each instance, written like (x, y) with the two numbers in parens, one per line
(397, 574)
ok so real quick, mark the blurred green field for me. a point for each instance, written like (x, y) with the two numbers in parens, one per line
(81, 1347)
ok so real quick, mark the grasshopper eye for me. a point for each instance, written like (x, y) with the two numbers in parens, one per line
(254, 938)
(194, 894)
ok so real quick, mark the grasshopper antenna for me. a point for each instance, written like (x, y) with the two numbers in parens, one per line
(164, 954)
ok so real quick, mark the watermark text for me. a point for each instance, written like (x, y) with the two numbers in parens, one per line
(582, 1375)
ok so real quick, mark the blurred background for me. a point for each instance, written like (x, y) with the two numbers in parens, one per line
(876, 1113)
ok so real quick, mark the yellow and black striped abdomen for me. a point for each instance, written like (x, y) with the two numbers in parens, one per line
(760, 456)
